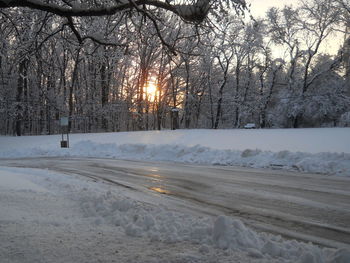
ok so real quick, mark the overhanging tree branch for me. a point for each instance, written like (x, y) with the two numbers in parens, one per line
(103, 43)
(159, 34)
(75, 31)
(195, 12)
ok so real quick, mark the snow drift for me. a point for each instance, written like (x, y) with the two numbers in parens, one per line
(325, 151)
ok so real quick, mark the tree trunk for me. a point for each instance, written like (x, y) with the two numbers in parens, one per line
(218, 110)
(71, 88)
(104, 94)
(21, 86)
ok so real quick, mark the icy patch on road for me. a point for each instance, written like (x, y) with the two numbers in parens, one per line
(324, 163)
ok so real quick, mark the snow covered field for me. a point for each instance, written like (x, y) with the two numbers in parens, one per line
(52, 217)
(324, 150)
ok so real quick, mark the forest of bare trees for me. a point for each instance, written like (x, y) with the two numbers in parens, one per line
(134, 67)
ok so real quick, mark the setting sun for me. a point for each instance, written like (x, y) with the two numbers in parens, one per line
(151, 91)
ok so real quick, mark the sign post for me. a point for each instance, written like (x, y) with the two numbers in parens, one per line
(174, 116)
(64, 130)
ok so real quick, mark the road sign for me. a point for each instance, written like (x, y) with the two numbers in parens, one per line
(64, 129)
(64, 121)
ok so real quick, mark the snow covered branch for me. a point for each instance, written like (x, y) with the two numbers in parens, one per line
(195, 11)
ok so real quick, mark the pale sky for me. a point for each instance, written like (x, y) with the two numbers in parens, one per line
(259, 7)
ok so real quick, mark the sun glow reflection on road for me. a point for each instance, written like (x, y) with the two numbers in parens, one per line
(159, 190)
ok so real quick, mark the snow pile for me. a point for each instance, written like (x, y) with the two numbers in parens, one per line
(325, 163)
(328, 163)
(324, 151)
(160, 224)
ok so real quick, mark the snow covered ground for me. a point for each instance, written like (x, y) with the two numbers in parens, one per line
(325, 150)
(52, 217)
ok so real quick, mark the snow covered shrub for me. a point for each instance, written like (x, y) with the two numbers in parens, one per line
(344, 120)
